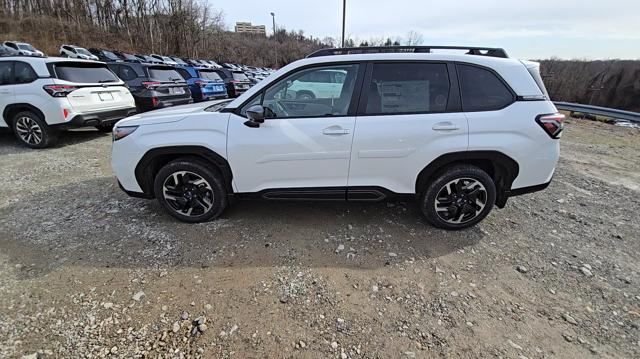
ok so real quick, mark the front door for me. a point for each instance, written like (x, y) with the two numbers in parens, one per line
(303, 148)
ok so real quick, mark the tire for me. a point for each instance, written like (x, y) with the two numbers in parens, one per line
(463, 194)
(32, 130)
(305, 95)
(206, 200)
(106, 127)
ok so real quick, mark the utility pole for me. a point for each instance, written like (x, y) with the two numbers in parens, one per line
(344, 15)
(273, 16)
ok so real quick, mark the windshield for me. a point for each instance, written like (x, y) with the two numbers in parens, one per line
(179, 61)
(110, 55)
(165, 58)
(164, 74)
(84, 73)
(209, 75)
(26, 47)
(82, 51)
(240, 76)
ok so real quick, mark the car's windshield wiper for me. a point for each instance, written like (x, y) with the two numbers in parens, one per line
(106, 81)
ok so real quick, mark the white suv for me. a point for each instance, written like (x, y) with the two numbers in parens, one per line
(40, 96)
(77, 52)
(458, 132)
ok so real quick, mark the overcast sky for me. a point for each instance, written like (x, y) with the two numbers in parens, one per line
(589, 29)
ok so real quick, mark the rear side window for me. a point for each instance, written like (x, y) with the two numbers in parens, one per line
(127, 73)
(482, 90)
(6, 72)
(408, 88)
(209, 75)
(184, 73)
(240, 76)
(84, 73)
(164, 74)
(24, 73)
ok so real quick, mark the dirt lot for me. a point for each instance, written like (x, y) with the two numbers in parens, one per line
(86, 271)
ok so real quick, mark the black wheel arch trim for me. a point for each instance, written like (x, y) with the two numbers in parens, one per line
(154, 159)
(502, 168)
(14, 108)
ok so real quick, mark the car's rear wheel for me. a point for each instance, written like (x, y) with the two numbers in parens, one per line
(190, 191)
(305, 95)
(458, 197)
(32, 130)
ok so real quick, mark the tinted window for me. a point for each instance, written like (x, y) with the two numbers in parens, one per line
(184, 73)
(82, 51)
(24, 73)
(6, 72)
(110, 55)
(127, 73)
(164, 74)
(292, 98)
(26, 47)
(210, 75)
(482, 90)
(240, 76)
(222, 74)
(84, 73)
(408, 88)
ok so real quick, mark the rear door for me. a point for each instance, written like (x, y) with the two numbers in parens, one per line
(98, 89)
(6, 87)
(409, 115)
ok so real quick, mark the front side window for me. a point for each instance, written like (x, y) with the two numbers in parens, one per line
(405, 88)
(85, 73)
(482, 90)
(291, 97)
(6, 72)
(24, 73)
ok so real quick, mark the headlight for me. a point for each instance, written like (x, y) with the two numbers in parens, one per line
(122, 132)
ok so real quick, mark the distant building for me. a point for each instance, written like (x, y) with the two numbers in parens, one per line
(247, 28)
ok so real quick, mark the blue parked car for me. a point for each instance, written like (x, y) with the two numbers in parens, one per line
(205, 84)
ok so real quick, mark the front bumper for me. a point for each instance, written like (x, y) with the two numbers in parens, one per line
(99, 118)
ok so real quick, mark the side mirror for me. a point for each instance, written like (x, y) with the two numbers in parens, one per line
(256, 116)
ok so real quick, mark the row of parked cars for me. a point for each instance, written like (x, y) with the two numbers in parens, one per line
(41, 95)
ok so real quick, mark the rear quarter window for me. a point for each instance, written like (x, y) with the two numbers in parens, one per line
(482, 90)
(84, 73)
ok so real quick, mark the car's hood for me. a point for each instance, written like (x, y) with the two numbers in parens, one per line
(165, 115)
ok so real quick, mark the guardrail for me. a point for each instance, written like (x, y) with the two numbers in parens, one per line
(599, 111)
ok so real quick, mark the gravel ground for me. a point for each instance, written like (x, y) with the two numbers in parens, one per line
(86, 271)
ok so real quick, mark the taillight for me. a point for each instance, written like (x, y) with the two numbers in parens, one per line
(150, 84)
(552, 124)
(65, 113)
(59, 90)
(201, 83)
(154, 101)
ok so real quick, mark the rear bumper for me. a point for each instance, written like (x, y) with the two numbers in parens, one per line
(501, 201)
(99, 118)
(147, 103)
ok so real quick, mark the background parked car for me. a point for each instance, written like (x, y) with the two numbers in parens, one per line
(104, 55)
(164, 59)
(40, 96)
(7, 51)
(205, 84)
(149, 59)
(127, 56)
(76, 52)
(23, 48)
(237, 82)
(153, 85)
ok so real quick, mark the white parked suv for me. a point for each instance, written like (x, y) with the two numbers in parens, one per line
(40, 96)
(458, 132)
(77, 52)
(23, 48)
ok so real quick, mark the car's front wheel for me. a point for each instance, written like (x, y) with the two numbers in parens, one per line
(458, 197)
(32, 130)
(190, 191)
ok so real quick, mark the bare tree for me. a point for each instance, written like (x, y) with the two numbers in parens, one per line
(414, 38)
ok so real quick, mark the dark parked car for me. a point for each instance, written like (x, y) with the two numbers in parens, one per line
(127, 56)
(204, 83)
(237, 82)
(147, 58)
(152, 85)
(105, 55)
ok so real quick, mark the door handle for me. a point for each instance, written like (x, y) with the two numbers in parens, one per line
(445, 126)
(335, 131)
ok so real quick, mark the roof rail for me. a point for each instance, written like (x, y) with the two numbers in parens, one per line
(480, 51)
